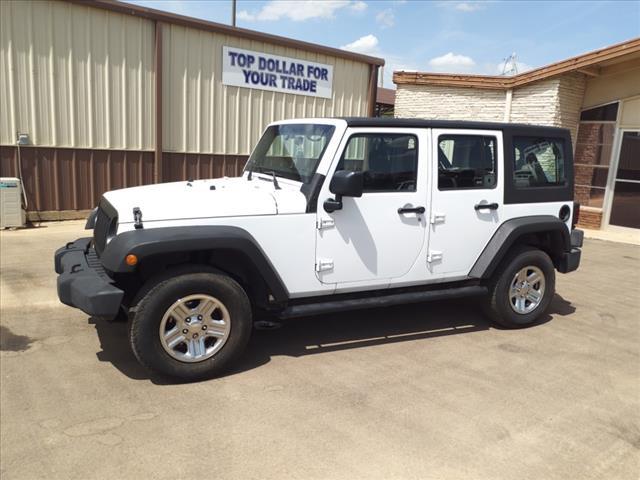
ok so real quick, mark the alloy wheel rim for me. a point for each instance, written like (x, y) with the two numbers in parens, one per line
(526, 290)
(195, 328)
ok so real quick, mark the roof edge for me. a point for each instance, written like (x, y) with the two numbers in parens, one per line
(393, 122)
(174, 18)
(497, 82)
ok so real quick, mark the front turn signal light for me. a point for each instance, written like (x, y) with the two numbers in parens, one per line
(131, 260)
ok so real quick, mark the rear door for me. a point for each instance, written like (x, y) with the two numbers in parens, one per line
(466, 197)
(378, 236)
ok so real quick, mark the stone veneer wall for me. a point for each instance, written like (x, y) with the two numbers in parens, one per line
(449, 103)
(554, 102)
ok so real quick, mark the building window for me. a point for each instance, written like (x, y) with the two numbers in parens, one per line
(389, 161)
(538, 162)
(593, 152)
(466, 161)
(626, 190)
(605, 113)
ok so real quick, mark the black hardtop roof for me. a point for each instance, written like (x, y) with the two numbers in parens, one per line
(427, 123)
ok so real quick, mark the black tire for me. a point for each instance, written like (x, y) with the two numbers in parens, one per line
(498, 303)
(145, 324)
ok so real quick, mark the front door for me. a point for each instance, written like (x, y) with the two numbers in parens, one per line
(466, 198)
(378, 236)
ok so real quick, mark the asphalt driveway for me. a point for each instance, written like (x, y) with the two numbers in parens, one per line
(422, 391)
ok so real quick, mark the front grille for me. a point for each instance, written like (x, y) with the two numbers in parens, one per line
(95, 264)
(106, 224)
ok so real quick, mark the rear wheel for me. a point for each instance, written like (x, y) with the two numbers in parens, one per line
(521, 289)
(191, 326)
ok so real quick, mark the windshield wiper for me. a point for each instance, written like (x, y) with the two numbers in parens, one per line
(250, 172)
(275, 180)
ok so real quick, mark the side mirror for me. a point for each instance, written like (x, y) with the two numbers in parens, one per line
(347, 184)
(343, 184)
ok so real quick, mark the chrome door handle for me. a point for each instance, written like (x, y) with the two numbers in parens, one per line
(486, 206)
(418, 210)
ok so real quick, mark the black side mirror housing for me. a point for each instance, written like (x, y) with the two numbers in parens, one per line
(343, 184)
(347, 184)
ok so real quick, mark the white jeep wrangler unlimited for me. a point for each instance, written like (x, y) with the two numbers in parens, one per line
(330, 215)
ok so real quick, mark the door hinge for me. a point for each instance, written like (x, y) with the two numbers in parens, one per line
(437, 218)
(325, 223)
(324, 264)
(434, 256)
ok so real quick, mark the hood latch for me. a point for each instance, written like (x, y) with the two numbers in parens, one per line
(137, 218)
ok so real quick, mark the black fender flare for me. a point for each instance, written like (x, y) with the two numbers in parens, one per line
(148, 242)
(507, 234)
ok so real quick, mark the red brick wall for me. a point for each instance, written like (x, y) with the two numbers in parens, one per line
(590, 219)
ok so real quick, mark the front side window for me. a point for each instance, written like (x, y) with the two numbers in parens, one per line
(538, 162)
(466, 161)
(291, 151)
(389, 161)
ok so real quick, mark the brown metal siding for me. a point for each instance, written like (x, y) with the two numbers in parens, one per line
(74, 179)
(185, 166)
(63, 179)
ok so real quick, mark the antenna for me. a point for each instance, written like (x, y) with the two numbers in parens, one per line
(510, 65)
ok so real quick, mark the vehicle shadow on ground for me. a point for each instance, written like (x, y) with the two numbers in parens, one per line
(329, 333)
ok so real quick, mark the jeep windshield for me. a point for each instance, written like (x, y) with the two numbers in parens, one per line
(291, 151)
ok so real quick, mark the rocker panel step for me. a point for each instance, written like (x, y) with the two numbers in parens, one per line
(333, 306)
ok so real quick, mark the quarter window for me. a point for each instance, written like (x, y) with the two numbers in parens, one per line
(538, 162)
(389, 161)
(466, 161)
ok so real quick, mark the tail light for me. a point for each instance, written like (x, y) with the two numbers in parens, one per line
(576, 214)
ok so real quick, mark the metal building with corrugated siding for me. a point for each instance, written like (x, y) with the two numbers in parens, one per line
(112, 95)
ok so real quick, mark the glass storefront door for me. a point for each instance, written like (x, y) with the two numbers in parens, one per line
(625, 204)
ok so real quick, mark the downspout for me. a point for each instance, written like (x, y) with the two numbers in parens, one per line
(373, 89)
(158, 177)
(507, 106)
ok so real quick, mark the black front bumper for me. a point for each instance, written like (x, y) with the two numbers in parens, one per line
(83, 283)
(570, 260)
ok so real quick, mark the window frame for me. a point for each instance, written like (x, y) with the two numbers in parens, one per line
(381, 133)
(258, 169)
(471, 133)
(547, 139)
(537, 194)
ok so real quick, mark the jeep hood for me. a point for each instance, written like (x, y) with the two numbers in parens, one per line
(221, 197)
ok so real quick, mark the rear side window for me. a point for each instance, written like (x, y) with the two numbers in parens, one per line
(389, 161)
(538, 162)
(466, 161)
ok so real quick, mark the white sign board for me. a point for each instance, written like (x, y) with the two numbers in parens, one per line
(244, 68)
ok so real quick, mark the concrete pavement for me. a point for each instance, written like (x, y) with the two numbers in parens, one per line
(619, 235)
(414, 392)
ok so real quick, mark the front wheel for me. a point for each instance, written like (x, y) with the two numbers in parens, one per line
(521, 289)
(191, 326)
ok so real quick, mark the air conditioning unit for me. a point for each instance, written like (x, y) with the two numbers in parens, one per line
(11, 212)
